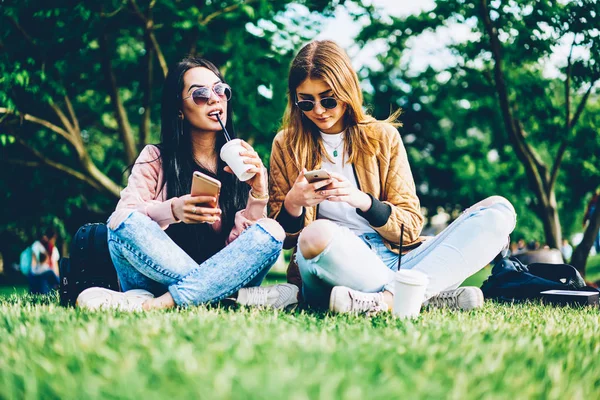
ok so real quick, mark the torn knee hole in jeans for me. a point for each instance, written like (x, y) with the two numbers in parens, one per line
(118, 218)
(316, 258)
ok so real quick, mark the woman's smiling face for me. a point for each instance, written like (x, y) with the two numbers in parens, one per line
(326, 120)
(199, 116)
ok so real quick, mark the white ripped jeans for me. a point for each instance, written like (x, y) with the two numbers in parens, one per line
(364, 263)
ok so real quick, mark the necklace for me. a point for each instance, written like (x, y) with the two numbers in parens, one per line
(335, 152)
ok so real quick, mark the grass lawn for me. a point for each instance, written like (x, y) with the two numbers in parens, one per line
(501, 352)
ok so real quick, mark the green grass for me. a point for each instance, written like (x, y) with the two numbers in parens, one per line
(10, 290)
(592, 268)
(500, 351)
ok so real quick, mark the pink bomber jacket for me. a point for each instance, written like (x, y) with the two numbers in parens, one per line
(145, 193)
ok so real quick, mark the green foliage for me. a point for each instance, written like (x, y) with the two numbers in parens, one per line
(500, 351)
(453, 126)
(61, 54)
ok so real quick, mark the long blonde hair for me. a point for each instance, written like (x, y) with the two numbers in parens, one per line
(324, 59)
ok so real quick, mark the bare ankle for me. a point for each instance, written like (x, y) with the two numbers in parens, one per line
(147, 305)
(388, 298)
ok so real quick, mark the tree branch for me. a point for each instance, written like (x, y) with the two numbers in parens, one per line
(63, 118)
(149, 30)
(39, 121)
(22, 31)
(31, 164)
(72, 114)
(119, 109)
(531, 153)
(147, 84)
(568, 89)
(96, 178)
(113, 13)
(61, 167)
(565, 143)
(535, 169)
(515, 134)
(210, 17)
(582, 104)
(580, 255)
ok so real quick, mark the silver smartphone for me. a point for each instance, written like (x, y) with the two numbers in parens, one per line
(317, 175)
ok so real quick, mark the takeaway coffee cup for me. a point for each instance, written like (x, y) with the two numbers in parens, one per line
(410, 292)
(230, 153)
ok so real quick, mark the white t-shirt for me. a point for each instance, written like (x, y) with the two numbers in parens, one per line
(38, 248)
(339, 212)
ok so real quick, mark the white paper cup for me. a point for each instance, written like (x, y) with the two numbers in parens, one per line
(230, 153)
(410, 288)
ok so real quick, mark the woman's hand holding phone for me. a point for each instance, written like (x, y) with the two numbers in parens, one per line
(341, 190)
(195, 210)
(304, 194)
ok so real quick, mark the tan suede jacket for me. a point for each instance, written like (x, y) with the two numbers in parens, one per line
(386, 177)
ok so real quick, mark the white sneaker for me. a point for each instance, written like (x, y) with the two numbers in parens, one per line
(346, 300)
(463, 298)
(96, 298)
(282, 295)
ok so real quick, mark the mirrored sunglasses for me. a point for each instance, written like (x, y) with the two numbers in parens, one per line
(202, 95)
(307, 105)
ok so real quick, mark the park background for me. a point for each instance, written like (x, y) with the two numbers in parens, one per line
(498, 97)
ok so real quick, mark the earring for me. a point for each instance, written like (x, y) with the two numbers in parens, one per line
(180, 117)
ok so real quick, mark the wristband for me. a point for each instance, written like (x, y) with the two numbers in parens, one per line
(259, 196)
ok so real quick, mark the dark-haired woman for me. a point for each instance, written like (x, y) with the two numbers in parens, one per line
(164, 241)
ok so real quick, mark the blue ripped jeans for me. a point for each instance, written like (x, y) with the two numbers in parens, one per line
(364, 263)
(145, 257)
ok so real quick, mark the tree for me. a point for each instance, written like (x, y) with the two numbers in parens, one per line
(80, 86)
(497, 82)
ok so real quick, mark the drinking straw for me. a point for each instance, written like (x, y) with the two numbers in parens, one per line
(401, 244)
(227, 137)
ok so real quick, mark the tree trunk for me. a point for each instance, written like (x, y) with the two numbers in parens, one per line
(549, 216)
(119, 110)
(535, 168)
(147, 88)
(580, 255)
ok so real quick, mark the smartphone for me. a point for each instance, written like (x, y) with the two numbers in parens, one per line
(204, 185)
(317, 175)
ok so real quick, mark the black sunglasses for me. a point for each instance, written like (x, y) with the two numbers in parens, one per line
(307, 105)
(202, 94)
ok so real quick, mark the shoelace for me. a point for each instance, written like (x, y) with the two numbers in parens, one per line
(257, 296)
(366, 304)
(445, 299)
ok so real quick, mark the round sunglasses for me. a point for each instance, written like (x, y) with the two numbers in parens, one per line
(201, 95)
(307, 105)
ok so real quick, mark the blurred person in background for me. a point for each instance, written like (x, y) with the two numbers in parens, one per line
(44, 265)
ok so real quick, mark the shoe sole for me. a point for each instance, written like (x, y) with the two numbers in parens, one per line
(90, 292)
(332, 300)
(479, 303)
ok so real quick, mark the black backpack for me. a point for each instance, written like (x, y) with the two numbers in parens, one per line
(511, 280)
(89, 264)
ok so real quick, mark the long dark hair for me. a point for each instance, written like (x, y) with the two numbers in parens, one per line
(178, 165)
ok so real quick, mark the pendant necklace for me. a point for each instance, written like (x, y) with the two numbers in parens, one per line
(335, 152)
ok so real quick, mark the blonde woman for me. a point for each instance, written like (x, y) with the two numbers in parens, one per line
(347, 228)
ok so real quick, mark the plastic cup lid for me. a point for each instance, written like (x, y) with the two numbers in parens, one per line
(412, 277)
(232, 142)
